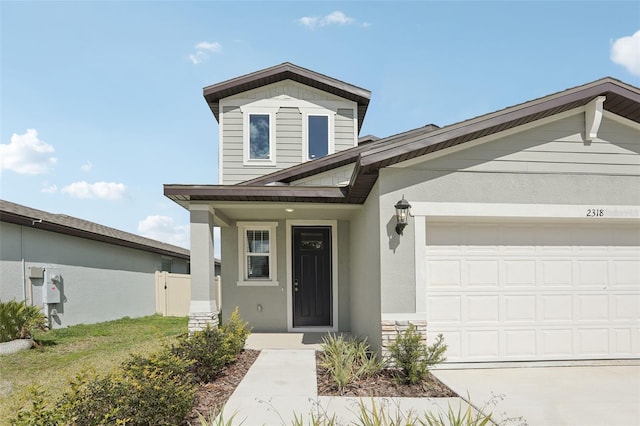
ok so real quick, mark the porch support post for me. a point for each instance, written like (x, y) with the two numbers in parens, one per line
(203, 309)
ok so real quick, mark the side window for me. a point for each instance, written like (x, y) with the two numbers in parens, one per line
(257, 254)
(317, 136)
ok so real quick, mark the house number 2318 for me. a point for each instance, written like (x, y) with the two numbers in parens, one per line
(595, 212)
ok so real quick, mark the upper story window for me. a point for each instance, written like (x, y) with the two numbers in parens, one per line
(317, 136)
(259, 138)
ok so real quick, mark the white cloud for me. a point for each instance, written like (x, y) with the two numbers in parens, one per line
(27, 154)
(49, 189)
(203, 50)
(334, 18)
(214, 47)
(164, 228)
(102, 190)
(86, 167)
(625, 51)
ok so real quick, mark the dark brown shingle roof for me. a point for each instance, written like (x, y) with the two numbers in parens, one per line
(63, 224)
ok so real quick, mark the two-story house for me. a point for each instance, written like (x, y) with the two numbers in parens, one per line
(516, 234)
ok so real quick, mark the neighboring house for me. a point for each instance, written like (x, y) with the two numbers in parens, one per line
(523, 241)
(104, 273)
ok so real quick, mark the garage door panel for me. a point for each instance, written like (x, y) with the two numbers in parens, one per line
(593, 342)
(482, 308)
(622, 341)
(556, 343)
(453, 339)
(593, 307)
(556, 272)
(445, 272)
(519, 308)
(482, 272)
(556, 308)
(592, 272)
(626, 272)
(520, 344)
(626, 307)
(519, 273)
(445, 309)
(534, 291)
(480, 345)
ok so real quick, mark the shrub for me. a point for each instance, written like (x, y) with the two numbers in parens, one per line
(154, 390)
(211, 349)
(347, 359)
(235, 332)
(145, 391)
(18, 320)
(413, 358)
(37, 412)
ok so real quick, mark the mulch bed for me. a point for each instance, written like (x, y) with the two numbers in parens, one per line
(211, 397)
(383, 385)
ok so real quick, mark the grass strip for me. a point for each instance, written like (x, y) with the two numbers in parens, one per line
(62, 353)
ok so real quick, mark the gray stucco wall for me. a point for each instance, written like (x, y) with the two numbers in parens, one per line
(365, 271)
(100, 281)
(273, 317)
(482, 176)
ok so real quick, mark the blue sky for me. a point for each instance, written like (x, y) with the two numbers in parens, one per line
(101, 102)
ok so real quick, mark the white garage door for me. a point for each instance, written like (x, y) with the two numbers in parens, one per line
(534, 291)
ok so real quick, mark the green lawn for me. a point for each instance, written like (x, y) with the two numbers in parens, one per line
(64, 352)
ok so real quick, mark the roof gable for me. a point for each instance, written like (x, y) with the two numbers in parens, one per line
(286, 71)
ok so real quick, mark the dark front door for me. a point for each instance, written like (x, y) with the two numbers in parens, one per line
(312, 276)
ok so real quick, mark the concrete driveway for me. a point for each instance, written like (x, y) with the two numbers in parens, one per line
(585, 395)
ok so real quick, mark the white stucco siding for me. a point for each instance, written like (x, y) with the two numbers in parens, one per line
(365, 270)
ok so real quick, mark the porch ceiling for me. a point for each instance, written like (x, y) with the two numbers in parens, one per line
(261, 211)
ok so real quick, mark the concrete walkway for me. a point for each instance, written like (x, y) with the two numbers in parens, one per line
(280, 387)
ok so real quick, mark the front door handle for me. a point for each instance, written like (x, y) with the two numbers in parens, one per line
(295, 285)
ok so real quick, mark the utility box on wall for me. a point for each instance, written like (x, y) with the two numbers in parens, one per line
(52, 284)
(36, 272)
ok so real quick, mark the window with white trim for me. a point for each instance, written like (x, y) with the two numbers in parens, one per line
(259, 137)
(257, 253)
(317, 136)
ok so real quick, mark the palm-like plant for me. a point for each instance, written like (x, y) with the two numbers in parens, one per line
(18, 320)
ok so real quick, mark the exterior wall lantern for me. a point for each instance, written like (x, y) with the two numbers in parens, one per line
(402, 215)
